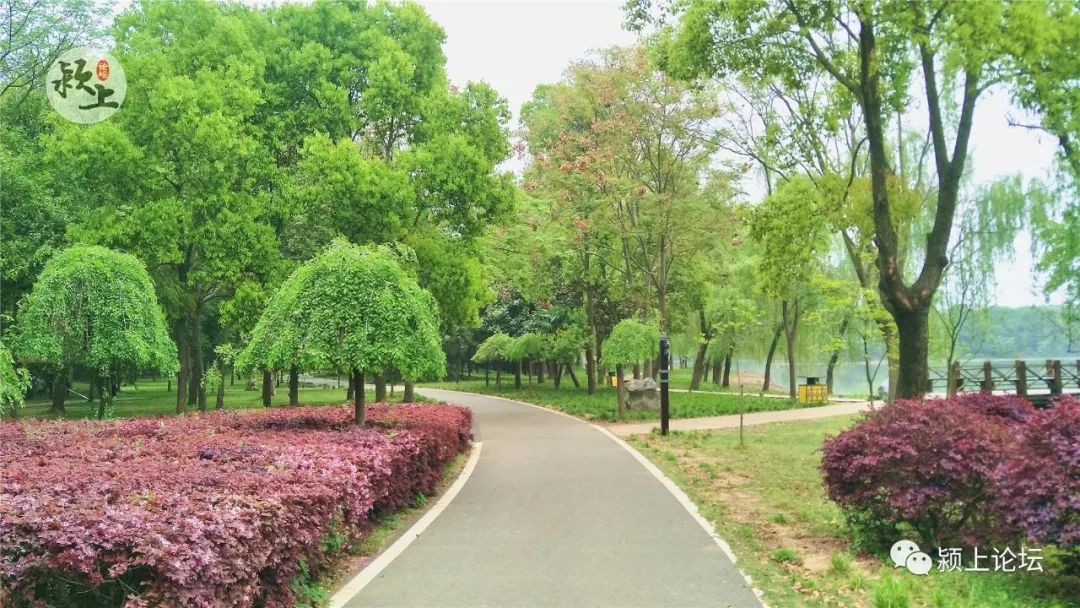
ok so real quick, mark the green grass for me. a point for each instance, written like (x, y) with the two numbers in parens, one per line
(767, 501)
(603, 406)
(150, 398)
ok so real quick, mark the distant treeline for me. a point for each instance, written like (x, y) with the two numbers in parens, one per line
(1017, 333)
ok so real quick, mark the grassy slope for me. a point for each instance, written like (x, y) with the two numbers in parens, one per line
(602, 404)
(767, 501)
(149, 398)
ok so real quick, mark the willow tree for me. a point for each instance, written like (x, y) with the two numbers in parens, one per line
(353, 308)
(879, 56)
(786, 226)
(630, 343)
(96, 308)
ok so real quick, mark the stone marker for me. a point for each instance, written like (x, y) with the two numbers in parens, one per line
(641, 394)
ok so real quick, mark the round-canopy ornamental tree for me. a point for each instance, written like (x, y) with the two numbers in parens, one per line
(493, 350)
(13, 383)
(96, 308)
(353, 308)
(630, 342)
(526, 347)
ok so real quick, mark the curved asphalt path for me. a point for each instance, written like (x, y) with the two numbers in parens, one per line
(557, 514)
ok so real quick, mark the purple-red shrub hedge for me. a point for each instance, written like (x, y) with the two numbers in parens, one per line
(203, 511)
(1010, 409)
(927, 464)
(1037, 487)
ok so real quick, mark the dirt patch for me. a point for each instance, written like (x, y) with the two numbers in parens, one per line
(743, 506)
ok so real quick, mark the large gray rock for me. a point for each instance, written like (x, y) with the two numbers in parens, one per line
(641, 394)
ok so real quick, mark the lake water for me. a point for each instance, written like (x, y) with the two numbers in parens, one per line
(850, 376)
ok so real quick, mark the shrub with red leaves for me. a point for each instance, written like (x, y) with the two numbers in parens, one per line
(926, 464)
(1038, 487)
(203, 511)
(1010, 409)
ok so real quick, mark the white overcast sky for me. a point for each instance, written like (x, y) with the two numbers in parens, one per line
(517, 45)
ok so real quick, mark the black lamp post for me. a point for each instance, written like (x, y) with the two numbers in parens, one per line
(665, 365)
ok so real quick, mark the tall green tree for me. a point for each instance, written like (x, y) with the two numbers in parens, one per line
(873, 52)
(96, 308)
(178, 175)
(793, 240)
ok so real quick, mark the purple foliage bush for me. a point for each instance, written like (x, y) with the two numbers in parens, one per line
(1009, 409)
(925, 464)
(1037, 486)
(203, 511)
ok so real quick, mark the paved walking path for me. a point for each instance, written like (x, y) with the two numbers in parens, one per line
(732, 421)
(557, 514)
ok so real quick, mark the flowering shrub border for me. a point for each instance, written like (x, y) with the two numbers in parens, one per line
(926, 464)
(1037, 486)
(972, 469)
(214, 510)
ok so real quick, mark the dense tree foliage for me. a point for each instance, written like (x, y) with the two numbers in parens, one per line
(871, 53)
(253, 138)
(13, 383)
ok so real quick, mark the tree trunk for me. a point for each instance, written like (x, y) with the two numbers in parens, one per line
(409, 395)
(380, 388)
(791, 325)
(358, 393)
(557, 376)
(621, 397)
(769, 357)
(834, 358)
(267, 387)
(909, 305)
(913, 330)
(573, 377)
(717, 366)
(196, 391)
(219, 402)
(725, 380)
(59, 393)
(590, 370)
(637, 371)
(104, 396)
(487, 377)
(591, 354)
(699, 365)
(498, 375)
(185, 367)
(517, 375)
(294, 385)
(539, 372)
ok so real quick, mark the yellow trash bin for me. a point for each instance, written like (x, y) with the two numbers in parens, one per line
(812, 392)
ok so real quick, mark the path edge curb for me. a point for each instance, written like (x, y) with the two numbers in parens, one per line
(357, 583)
(664, 480)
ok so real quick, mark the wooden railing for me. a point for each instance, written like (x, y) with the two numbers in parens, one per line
(1054, 377)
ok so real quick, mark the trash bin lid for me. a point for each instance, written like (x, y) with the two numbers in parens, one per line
(812, 380)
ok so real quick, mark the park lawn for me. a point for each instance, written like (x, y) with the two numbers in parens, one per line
(153, 397)
(767, 501)
(603, 406)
